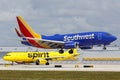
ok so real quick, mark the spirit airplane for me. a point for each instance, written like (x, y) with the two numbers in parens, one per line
(41, 57)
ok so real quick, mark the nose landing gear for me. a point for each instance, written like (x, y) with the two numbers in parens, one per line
(104, 48)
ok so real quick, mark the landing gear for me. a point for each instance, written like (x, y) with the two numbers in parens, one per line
(37, 62)
(61, 51)
(47, 63)
(71, 51)
(104, 48)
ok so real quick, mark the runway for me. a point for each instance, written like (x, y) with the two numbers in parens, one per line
(65, 67)
(110, 65)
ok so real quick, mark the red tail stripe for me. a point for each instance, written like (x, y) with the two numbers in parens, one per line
(23, 29)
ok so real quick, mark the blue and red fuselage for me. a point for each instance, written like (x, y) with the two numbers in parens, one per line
(84, 39)
(63, 41)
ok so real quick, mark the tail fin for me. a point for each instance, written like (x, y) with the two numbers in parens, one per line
(18, 33)
(75, 50)
(25, 29)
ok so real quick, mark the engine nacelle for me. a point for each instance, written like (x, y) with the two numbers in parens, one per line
(70, 45)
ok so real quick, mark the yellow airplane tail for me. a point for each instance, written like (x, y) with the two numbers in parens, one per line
(25, 29)
(75, 50)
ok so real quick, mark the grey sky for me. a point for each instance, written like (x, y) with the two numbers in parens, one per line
(59, 16)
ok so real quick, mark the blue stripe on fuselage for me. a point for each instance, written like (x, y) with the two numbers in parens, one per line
(77, 37)
(85, 38)
(25, 42)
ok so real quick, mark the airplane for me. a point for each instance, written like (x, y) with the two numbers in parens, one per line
(41, 57)
(84, 40)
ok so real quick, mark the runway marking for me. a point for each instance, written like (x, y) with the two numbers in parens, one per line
(68, 67)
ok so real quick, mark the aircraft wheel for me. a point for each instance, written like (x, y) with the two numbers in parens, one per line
(71, 51)
(104, 48)
(47, 63)
(37, 62)
(61, 51)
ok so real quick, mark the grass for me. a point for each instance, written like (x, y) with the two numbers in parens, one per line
(57, 75)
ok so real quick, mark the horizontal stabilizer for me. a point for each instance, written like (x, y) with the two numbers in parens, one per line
(18, 33)
(25, 29)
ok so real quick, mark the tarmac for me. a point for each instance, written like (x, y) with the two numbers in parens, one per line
(80, 65)
(61, 67)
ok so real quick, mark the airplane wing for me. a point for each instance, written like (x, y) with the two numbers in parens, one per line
(72, 57)
(52, 43)
(48, 43)
(50, 58)
(56, 57)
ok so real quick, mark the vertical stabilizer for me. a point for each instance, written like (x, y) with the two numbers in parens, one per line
(25, 29)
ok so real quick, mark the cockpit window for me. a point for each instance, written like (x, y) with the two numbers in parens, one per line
(108, 34)
(7, 55)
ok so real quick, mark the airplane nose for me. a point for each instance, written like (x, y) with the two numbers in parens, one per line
(4, 58)
(114, 38)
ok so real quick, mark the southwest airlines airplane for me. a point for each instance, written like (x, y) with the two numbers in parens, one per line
(84, 40)
(40, 57)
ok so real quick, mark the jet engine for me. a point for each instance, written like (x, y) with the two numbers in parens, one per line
(70, 45)
(86, 47)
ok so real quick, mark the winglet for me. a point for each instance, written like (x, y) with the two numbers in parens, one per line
(25, 29)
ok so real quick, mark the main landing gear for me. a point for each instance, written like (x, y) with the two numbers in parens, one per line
(62, 51)
(104, 48)
(37, 62)
(47, 63)
(71, 51)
